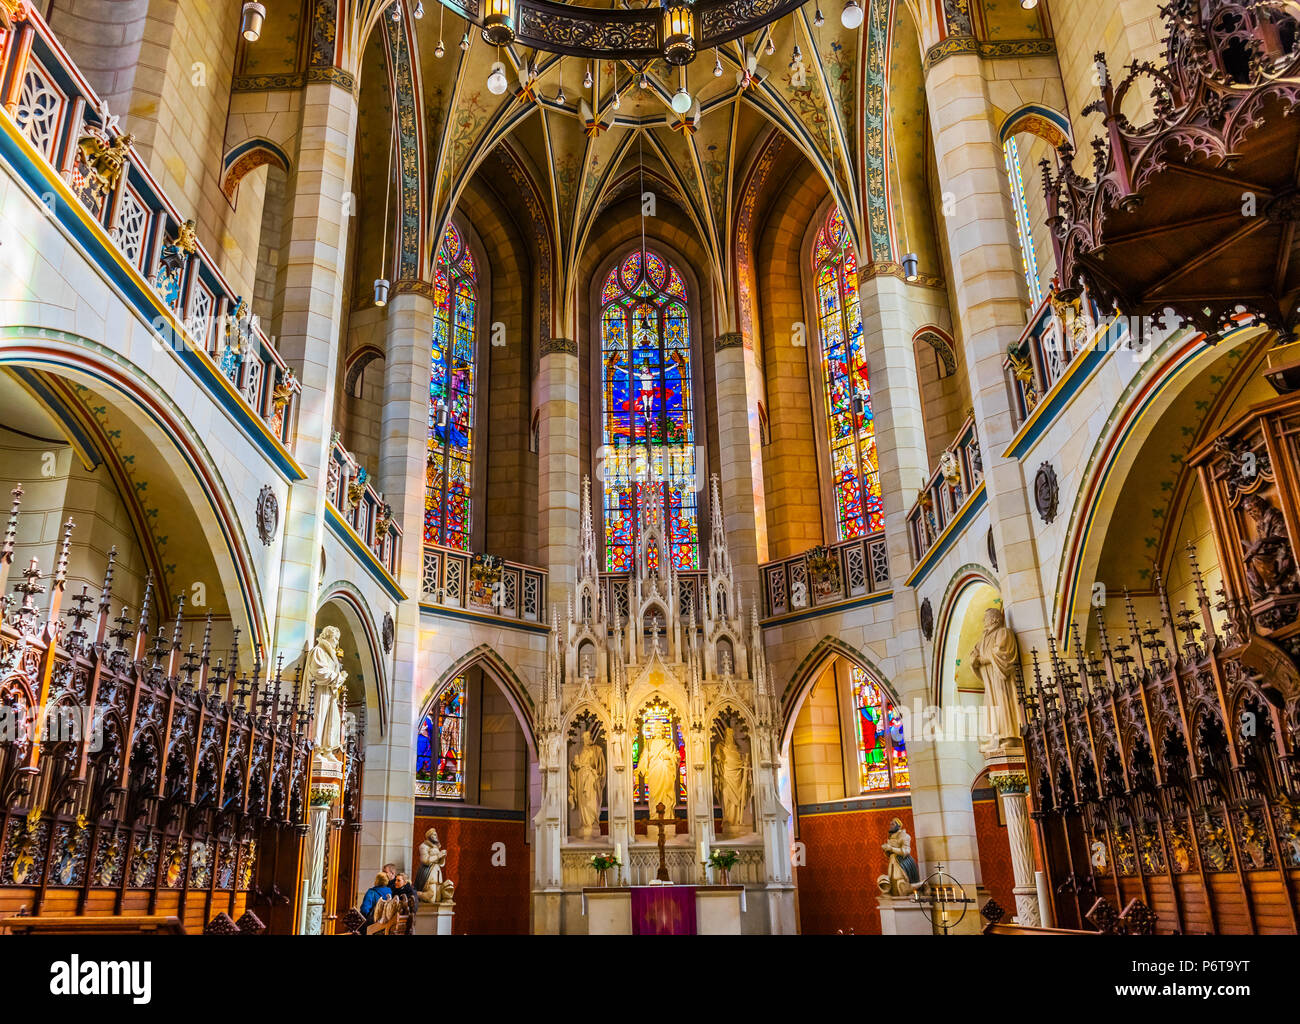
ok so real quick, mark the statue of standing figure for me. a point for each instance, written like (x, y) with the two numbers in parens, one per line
(326, 678)
(994, 660)
(902, 875)
(587, 785)
(731, 772)
(660, 767)
(429, 881)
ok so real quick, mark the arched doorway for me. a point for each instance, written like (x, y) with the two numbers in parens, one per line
(847, 778)
(476, 784)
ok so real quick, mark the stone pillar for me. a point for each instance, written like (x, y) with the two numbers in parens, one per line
(559, 458)
(942, 813)
(740, 472)
(1012, 786)
(314, 882)
(987, 288)
(313, 301)
(388, 786)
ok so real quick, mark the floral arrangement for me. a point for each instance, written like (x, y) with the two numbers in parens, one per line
(604, 861)
(323, 796)
(723, 860)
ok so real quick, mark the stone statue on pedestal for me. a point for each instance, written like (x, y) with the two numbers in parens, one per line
(994, 660)
(731, 769)
(429, 883)
(902, 876)
(587, 785)
(326, 677)
(660, 766)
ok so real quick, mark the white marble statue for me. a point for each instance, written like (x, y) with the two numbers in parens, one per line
(660, 767)
(994, 659)
(587, 785)
(326, 678)
(429, 881)
(731, 769)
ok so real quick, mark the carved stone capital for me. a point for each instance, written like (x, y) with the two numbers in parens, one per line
(1015, 781)
(559, 346)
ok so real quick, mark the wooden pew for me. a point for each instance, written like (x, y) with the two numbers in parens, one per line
(399, 920)
(27, 924)
(1136, 919)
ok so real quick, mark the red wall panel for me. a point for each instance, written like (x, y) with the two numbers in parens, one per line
(490, 900)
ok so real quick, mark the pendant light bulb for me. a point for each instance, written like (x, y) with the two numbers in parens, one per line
(559, 95)
(251, 18)
(643, 82)
(770, 48)
(439, 50)
(586, 79)
(851, 16)
(819, 19)
(381, 291)
(397, 10)
(417, 11)
(618, 101)
(717, 65)
(464, 40)
(681, 100)
(796, 57)
(496, 82)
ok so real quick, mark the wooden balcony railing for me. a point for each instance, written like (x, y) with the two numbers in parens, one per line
(826, 575)
(78, 142)
(363, 508)
(483, 583)
(960, 472)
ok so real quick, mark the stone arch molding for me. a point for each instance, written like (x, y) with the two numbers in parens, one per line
(825, 648)
(165, 424)
(971, 574)
(248, 156)
(351, 597)
(1046, 122)
(501, 672)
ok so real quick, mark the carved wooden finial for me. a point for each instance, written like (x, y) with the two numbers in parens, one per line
(61, 567)
(11, 528)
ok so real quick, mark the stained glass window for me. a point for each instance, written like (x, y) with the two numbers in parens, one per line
(440, 746)
(851, 425)
(882, 751)
(657, 717)
(648, 417)
(451, 395)
(1024, 232)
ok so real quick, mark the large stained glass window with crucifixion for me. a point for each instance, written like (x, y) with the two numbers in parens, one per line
(882, 750)
(451, 394)
(851, 425)
(648, 421)
(440, 745)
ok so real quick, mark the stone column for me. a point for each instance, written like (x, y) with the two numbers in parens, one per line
(314, 882)
(942, 812)
(740, 472)
(388, 786)
(987, 288)
(1012, 785)
(313, 300)
(559, 457)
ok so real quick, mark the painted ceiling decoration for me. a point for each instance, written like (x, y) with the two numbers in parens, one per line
(572, 150)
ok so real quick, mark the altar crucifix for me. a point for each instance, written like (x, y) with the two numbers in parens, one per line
(663, 821)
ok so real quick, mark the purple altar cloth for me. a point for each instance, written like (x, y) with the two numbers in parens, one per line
(663, 910)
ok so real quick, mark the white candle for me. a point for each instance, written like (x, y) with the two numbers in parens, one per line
(618, 852)
(704, 850)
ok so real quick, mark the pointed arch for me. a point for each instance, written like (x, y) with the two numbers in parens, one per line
(810, 668)
(248, 156)
(499, 671)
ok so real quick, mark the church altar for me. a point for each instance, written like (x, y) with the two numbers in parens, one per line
(664, 909)
(658, 731)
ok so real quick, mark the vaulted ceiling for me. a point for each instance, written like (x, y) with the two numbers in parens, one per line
(568, 150)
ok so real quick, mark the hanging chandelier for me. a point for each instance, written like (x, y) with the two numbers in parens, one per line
(672, 29)
(679, 32)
